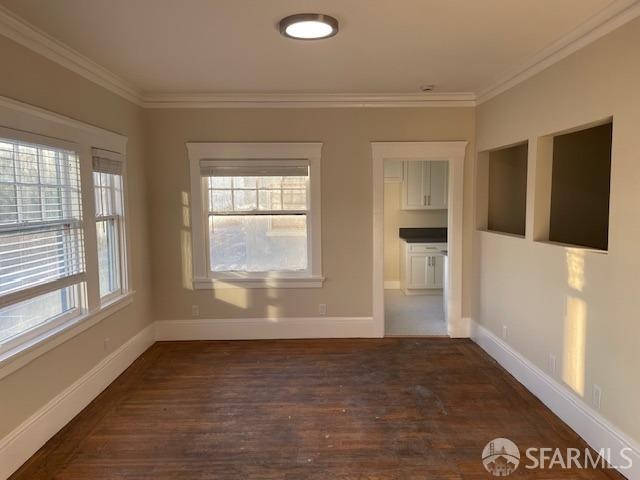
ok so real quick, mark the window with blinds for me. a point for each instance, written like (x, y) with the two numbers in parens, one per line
(41, 237)
(257, 215)
(109, 201)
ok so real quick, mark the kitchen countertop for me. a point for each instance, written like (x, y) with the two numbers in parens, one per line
(423, 235)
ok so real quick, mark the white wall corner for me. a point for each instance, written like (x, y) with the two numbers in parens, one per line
(392, 285)
(598, 432)
(26, 439)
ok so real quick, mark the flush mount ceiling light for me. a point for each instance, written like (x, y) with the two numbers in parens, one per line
(308, 26)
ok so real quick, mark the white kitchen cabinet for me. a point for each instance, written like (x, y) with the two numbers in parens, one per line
(422, 267)
(424, 185)
(393, 171)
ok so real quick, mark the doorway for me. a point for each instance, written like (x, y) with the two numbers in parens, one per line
(416, 308)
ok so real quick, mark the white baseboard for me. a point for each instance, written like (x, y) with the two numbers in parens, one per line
(585, 421)
(266, 328)
(33, 433)
(392, 285)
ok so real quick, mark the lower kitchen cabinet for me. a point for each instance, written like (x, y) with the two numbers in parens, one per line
(421, 267)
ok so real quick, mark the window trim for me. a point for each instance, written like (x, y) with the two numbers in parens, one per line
(40, 126)
(202, 277)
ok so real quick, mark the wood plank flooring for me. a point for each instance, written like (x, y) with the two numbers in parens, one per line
(388, 409)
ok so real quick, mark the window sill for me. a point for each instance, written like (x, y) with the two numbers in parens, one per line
(257, 282)
(21, 355)
(570, 246)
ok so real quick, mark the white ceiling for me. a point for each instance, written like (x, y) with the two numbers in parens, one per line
(233, 46)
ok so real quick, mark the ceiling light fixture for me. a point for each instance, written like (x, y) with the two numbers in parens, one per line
(308, 26)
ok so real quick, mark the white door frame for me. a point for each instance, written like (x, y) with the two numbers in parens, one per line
(454, 153)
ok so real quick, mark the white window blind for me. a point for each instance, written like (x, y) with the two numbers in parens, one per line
(257, 214)
(41, 236)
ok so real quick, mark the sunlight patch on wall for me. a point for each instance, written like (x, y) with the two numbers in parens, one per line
(232, 294)
(575, 337)
(185, 245)
(575, 269)
(187, 262)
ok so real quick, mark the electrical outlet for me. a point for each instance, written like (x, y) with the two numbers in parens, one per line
(322, 309)
(107, 344)
(505, 333)
(552, 364)
(596, 396)
(195, 310)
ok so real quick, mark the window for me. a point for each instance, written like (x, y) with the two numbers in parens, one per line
(257, 218)
(42, 266)
(108, 190)
(257, 207)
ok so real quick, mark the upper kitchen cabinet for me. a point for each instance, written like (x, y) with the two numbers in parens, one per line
(393, 171)
(424, 186)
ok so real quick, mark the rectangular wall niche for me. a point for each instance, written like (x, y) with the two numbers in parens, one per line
(507, 190)
(580, 185)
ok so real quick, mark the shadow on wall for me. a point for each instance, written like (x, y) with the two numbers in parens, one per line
(575, 323)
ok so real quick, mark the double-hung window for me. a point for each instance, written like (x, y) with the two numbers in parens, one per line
(256, 214)
(42, 266)
(109, 205)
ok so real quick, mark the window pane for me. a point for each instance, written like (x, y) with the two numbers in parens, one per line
(52, 199)
(220, 182)
(269, 182)
(29, 205)
(8, 207)
(27, 164)
(245, 182)
(260, 243)
(6, 162)
(108, 256)
(244, 200)
(220, 200)
(22, 317)
(294, 199)
(49, 168)
(32, 257)
(270, 200)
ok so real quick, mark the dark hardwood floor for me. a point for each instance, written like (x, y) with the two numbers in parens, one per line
(389, 409)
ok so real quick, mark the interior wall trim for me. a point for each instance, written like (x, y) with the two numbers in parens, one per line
(607, 20)
(265, 328)
(31, 37)
(19, 30)
(318, 100)
(25, 440)
(598, 432)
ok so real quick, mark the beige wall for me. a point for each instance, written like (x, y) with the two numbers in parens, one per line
(346, 199)
(582, 306)
(35, 80)
(395, 218)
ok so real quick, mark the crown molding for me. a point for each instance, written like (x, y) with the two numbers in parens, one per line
(318, 100)
(17, 29)
(607, 20)
(31, 37)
